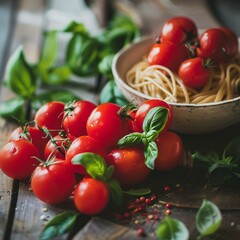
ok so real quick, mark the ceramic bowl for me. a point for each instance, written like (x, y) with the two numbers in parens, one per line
(188, 118)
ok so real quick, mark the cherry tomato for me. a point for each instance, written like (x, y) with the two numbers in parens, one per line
(80, 145)
(91, 196)
(50, 115)
(129, 165)
(18, 159)
(170, 151)
(167, 54)
(31, 134)
(194, 73)
(58, 146)
(179, 30)
(213, 44)
(76, 117)
(53, 184)
(144, 109)
(232, 42)
(106, 125)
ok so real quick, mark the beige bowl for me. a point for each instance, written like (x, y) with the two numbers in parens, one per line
(188, 118)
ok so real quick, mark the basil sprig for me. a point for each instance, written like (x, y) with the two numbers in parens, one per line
(153, 125)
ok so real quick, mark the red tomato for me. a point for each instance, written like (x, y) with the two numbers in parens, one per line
(50, 115)
(53, 184)
(213, 44)
(232, 42)
(33, 135)
(170, 151)
(167, 54)
(91, 196)
(194, 73)
(75, 119)
(129, 165)
(106, 125)
(80, 145)
(18, 159)
(144, 109)
(58, 146)
(179, 30)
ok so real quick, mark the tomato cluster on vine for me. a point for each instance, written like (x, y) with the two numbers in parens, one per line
(108, 146)
(179, 48)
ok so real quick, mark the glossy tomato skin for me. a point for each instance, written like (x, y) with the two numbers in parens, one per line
(53, 184)
(129, 165)
(83, 144)
(18, 159)
(91, 196)
(193, 73)
(171, 151)
(167, 54)
(179, 30)
(213, 44)
(144, 109)
(75, 121)
(232, 42)
(50, 115)
(33, 135)
(106, 125)
(60, 147)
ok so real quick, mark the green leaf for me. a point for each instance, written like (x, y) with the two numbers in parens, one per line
(151, 135)
(116, 194)
(93, 163)
(83, 55)
(52, 95)
(233, 150)
(13, 109)
(208, 218)
(172, 229)
(138, 192)
(111, 93)
(105, 66)
(109, 172)
(59, 225)
(49, 51)
(19, 75)
(75, 27)
(155, 119)
(130, 139)
(57, 75)
(151, 153)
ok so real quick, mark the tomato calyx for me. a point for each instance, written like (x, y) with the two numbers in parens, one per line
(125, 111)
(68, 109)
(153, 125)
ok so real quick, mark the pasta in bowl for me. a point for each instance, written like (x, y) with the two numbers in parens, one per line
(214, 107)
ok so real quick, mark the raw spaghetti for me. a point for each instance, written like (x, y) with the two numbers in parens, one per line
(160, 82)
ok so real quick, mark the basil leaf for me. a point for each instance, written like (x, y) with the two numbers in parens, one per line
(208, 218)
(93, 163)
(52, 95)
(130, 139)
(111, 93)
(13, 109)
(59, 225)
(233, 150)
(155, 119)
(83, 55)
(151, 135)
(116, 194)
(105, 66)
(109, 172)
(138, 192)
(57, 75)
(75, 27)
(49, 51)
(151, 153)
(172, 229)
(19, 75)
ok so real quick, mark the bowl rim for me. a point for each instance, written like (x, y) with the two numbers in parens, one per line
(117, 78)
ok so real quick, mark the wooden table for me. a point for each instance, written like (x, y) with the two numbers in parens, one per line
(22, 22)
